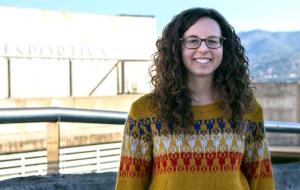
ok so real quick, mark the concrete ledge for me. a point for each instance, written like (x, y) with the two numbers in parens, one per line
(285, 151)
(286, 177)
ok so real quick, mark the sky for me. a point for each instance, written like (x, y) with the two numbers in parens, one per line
(243, 15)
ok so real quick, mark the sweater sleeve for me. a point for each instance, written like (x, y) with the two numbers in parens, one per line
(256, 164)
(136, 152)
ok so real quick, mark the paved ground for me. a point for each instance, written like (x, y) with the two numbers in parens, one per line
(92, 181)
(286, 177)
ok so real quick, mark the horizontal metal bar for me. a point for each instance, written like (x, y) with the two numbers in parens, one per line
(54, 114)
(282, 127)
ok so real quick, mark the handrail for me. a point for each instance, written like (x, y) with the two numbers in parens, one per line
(282, 127)
(56, 114)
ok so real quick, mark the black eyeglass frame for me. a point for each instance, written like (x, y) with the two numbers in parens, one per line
(222, 39)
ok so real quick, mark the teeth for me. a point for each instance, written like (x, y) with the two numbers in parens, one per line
(202, 61)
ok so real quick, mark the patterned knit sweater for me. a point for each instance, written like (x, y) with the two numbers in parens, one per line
(214, 154)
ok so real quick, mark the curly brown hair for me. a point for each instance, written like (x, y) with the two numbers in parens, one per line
(231, 80)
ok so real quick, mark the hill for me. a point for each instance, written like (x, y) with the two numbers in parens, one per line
(273, 56)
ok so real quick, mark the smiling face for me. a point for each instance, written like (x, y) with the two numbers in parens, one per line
(202, 62)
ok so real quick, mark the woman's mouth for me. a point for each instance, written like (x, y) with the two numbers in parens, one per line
(202, 60)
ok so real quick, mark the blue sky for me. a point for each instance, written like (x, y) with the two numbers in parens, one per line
(271, 15)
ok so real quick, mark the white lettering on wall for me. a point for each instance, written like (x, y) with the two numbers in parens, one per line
(52, 51)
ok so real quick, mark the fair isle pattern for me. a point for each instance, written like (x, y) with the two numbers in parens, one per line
(156, 155)
(211, 148)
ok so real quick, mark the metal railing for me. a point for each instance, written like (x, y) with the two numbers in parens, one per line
(119, 67)
(282, 127)
(57, 114)
(104, 157)
(54, 115)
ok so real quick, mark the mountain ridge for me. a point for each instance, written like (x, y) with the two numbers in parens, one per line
(273, 56)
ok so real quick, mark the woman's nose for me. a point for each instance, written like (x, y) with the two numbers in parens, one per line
(203, 47)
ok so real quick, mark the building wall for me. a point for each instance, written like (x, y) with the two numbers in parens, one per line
(49, 53)
(280, 101)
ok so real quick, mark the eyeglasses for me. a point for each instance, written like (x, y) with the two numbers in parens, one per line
(212, 42)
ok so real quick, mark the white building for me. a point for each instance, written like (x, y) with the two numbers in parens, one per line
(61, 54)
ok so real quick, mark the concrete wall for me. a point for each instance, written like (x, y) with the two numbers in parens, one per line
(280, 101)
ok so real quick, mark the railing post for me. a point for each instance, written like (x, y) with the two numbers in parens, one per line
(53, 142)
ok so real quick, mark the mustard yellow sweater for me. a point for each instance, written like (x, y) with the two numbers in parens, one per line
(214, 155)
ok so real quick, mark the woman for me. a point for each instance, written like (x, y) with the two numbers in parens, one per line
(201, 127)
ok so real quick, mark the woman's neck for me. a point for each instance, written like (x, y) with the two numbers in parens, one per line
(202, 90)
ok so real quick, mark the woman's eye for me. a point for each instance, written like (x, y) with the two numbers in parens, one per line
(193, 41)
(212, 41)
